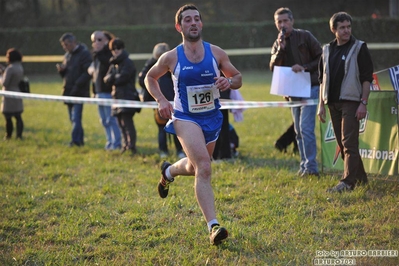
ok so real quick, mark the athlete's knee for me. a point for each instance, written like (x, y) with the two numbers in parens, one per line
(190, 168)
(204, 169)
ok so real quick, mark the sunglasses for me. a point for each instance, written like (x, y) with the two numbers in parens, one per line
(116, 48)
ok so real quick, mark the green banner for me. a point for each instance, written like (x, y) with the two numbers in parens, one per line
(378, 139)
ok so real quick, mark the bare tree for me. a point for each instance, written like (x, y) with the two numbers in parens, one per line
(36, 8)
(83, 10)
(61, 5)
(393, 8)
(57, 5)
(102, 13)
(2, 7)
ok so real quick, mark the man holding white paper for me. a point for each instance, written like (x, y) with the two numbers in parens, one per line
(301, 51)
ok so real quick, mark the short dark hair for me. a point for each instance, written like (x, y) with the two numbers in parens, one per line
(116, 43)
(339, 17)
(13, 55)
(284, 10)
(67, 37)
(179, 12)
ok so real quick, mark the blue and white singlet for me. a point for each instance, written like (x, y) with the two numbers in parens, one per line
(196, 96)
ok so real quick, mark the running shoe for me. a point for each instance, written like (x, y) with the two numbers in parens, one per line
(163, 186)
(218, 234)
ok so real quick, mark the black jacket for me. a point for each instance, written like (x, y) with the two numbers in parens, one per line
(76, 78)
(305, 49)
(165, 82)
(101, 65)
(123, 85)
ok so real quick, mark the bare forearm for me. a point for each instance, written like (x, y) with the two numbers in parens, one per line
(154, 89)
(236, 81)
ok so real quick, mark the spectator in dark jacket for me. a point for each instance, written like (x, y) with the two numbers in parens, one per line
(12, 107)
(73, 70)
(166, 85)
(222, 149)
(122, 76)
(301, 51)
(98, 69)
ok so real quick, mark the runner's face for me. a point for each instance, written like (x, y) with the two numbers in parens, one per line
(191, 25)
(343, 32)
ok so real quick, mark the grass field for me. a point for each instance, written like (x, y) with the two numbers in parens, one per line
(86, 206)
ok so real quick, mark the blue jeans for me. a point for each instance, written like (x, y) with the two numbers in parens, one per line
(75, 116)
(110, 124)
(304, 123)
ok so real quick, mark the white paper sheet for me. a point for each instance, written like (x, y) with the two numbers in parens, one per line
(286, 82)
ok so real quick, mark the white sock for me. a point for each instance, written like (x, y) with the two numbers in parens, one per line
(212, 222)
(168, 175)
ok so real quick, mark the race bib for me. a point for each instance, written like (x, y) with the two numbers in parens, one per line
(201, 98)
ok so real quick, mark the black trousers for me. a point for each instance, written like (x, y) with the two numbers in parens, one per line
(346, 130)
(126, 124)
(10, 125)
(222, 147)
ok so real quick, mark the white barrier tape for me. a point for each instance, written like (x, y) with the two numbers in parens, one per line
(229, 104)
(70, 99)
(226, 104)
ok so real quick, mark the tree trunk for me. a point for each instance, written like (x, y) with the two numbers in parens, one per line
(36, 8)
(2, 8)
(393, 8)
(83, 10)
(61, 5)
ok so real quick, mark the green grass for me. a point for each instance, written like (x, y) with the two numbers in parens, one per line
(86, 206)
